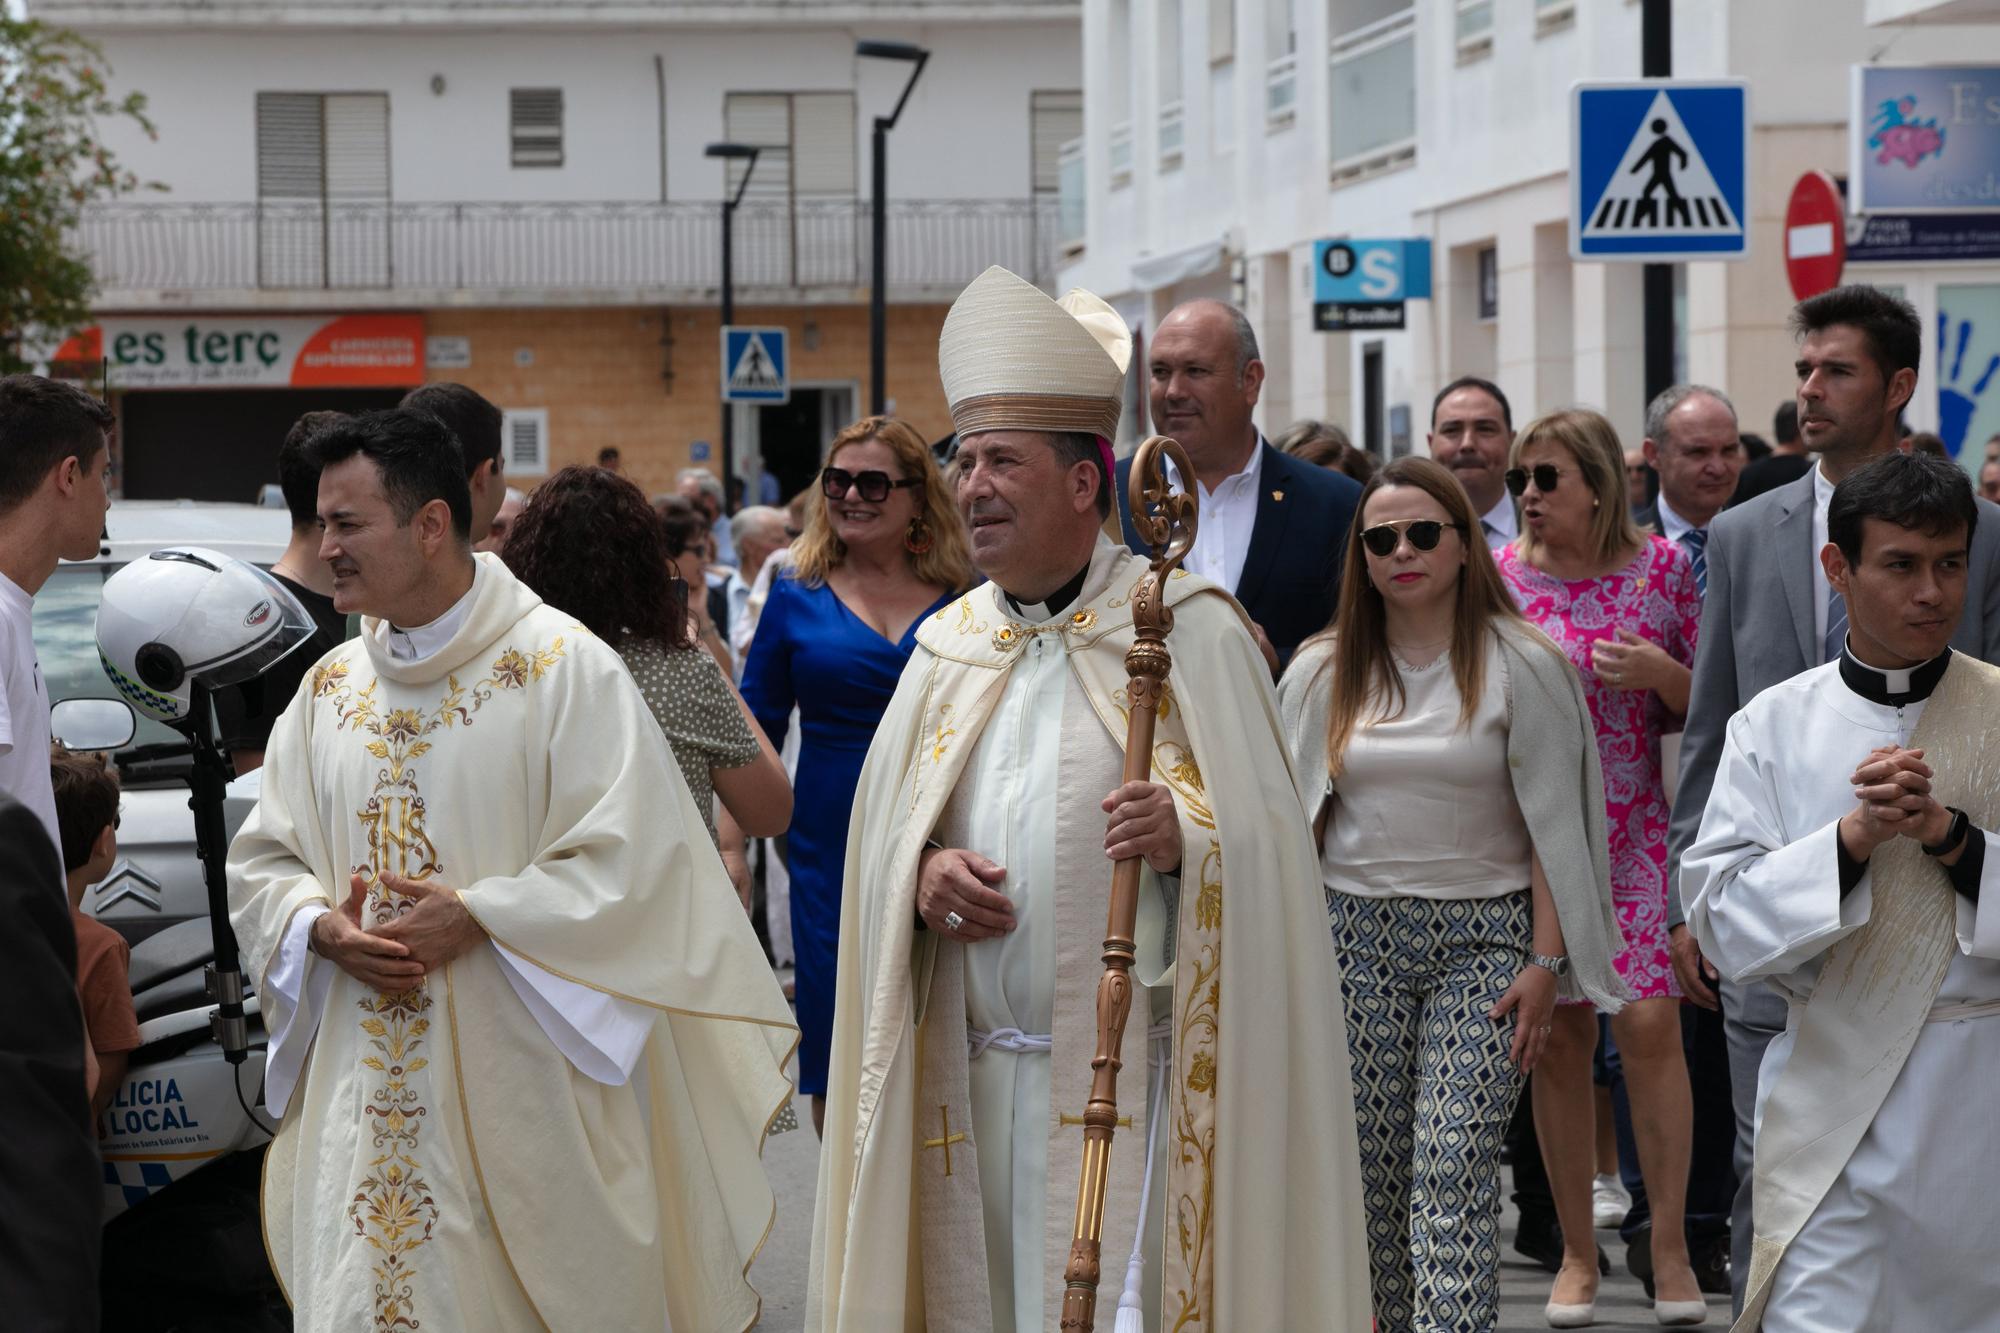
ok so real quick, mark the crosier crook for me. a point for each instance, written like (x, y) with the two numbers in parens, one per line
(1165, 519)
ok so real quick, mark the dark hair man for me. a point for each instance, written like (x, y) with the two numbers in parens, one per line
(1787, 461)
(1843, 855)
(1771, 613)
(55, 488)
(245, 713)
(1692, 442)
(1472, 428)
(475, 423)
(473, 762)
(1272, 526)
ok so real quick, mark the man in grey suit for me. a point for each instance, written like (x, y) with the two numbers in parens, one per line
(1769, 615)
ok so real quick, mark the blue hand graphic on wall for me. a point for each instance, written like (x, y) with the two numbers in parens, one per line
(1955, 403)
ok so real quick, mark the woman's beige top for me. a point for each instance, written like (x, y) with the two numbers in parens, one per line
(1424, 807)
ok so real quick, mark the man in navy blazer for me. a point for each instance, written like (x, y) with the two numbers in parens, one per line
(1271, 528)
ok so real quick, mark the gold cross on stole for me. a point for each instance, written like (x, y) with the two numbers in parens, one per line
(945, 1137)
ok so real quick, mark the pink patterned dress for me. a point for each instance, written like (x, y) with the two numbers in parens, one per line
(1655, 598)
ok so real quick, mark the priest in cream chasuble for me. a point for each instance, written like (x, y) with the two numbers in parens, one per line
(558, 1126)
(978, 879)
(1834, 864)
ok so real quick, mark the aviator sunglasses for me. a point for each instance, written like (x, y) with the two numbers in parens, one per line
(1424, 535)
(1545, 476)
(874, 486)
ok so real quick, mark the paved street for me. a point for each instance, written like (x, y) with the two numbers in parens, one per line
(780, 1273)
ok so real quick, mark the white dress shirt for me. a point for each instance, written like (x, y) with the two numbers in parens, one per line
(1672, 525)
(1228, 520)
(1500, 523)
(1822, 497)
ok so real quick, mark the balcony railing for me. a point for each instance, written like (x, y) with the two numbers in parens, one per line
(935, 246)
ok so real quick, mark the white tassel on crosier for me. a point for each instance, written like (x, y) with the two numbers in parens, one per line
(1131, 1305)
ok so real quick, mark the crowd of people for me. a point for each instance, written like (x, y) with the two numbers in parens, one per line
(1585, 751)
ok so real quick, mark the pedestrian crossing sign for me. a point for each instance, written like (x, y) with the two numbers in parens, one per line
(755, 365)
(1659, 170)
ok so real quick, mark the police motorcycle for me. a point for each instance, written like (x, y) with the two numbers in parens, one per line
(183, 1139)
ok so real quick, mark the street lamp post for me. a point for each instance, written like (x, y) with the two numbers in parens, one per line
(748, 156)
(878, 297)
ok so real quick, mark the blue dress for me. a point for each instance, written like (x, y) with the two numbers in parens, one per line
(811, 651)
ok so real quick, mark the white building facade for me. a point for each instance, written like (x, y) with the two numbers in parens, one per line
(524, 186)
(1224, 137)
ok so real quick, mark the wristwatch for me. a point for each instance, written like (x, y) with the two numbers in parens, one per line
(1954, 833)
(1556, 963)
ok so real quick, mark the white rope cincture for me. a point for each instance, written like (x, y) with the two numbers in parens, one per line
(1159, 1037)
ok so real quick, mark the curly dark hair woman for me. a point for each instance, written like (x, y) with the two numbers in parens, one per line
(589, 543)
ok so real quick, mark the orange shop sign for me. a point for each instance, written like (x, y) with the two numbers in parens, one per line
(225, 351)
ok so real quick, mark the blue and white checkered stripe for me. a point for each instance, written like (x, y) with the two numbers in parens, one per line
(138, 1181)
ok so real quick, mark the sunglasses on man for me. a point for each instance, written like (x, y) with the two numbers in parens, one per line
(1424, 535)
(1544, 475)
(873, 486)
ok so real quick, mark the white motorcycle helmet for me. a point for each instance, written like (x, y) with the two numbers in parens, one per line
(184, 615)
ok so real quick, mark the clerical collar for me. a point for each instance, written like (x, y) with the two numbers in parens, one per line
(1893, 689)
(415, 644)
(1054, 604)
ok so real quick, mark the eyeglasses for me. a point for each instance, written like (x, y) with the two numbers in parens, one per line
(874, 486)
(1424, 535)
(1545, 476)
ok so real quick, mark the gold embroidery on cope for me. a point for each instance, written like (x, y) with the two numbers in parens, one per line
(1196, 1051)
(392, 1208)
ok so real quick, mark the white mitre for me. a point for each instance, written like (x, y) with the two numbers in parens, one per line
(1012, 359)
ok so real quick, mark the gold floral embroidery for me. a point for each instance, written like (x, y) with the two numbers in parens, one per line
(328, 678)
(1197, 1049)
(968, 621)
(944, 731)
(1177, 767)
(392, 1208)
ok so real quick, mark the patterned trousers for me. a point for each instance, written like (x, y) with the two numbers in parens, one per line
(1433, 1090)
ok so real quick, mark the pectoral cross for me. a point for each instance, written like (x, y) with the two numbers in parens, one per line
(945, 1137)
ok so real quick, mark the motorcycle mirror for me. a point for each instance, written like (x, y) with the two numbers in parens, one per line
(92, 724)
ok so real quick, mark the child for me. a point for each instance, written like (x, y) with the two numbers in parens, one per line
(87, 814)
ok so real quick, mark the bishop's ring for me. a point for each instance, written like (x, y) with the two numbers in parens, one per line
(953, 922)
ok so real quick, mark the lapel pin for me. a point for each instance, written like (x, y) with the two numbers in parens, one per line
(1277, 495)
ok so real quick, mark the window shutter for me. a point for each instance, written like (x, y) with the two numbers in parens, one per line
(763, 121)
(535, 126)
(1221, 31)
(1054, 118)
(357, 146)
(289, 143)
(823, 151)
(526, 433)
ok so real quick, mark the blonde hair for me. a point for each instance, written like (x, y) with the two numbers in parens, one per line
(1363, 671)
(1592, 441)
(947, 564)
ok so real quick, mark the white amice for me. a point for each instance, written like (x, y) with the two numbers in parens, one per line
(1900, 1239)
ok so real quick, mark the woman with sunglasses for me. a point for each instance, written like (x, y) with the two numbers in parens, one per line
(1624, 608)
(1443, 750)
(883, 547)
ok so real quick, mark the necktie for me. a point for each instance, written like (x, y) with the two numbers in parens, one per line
(1695, 540)
(1836, 626)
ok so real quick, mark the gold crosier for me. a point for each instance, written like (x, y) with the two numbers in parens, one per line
(1165, 520)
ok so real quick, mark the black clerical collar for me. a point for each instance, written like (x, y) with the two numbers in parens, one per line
(1054, 604)
(1892, 688)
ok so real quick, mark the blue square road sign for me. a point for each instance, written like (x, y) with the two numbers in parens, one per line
(1659, 170)
(756, 365)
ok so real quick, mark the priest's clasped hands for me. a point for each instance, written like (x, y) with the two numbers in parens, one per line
(954, 896)
(396, 955)
(1892, 790)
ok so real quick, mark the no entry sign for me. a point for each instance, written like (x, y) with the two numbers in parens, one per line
(1815, 235)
